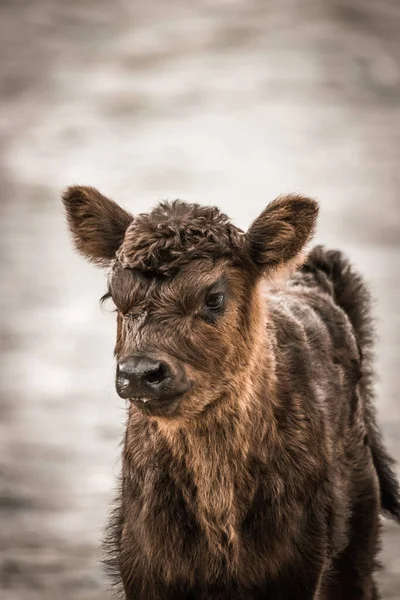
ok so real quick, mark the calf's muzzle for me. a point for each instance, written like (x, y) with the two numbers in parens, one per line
(151, 380)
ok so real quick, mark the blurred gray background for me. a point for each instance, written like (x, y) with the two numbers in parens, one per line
(215, 101)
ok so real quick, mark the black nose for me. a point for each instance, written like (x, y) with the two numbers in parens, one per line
(142, 376)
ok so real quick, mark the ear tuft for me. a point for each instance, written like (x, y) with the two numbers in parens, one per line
(280, 233)
(97, 223)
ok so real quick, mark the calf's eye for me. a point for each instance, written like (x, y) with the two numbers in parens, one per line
(215, 301)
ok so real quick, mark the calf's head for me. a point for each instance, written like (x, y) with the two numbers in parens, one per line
(184, 281)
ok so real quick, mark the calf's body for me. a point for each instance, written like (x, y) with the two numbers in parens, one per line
(265, 477)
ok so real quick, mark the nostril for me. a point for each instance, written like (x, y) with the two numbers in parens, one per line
(156, 375)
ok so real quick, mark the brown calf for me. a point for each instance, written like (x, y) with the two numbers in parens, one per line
(253, 467)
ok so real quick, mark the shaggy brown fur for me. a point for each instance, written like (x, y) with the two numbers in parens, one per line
(266, 478)
(173, 234)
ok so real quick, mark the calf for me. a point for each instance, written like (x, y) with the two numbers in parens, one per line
(253, 467)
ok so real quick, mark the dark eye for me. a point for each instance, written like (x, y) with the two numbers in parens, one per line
(215, 301)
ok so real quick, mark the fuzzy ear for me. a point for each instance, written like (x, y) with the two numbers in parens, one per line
(280, 233)
(97, 224)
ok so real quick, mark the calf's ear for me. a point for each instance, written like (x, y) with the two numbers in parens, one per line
(280, 233)
(97, 224)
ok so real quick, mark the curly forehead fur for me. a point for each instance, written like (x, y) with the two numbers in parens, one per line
(176, 232)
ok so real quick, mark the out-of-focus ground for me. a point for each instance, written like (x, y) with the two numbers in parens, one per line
(215, 101)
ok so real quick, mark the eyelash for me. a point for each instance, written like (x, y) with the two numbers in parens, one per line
(103, 300)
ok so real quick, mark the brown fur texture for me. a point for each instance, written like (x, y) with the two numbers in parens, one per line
(281, 231)
(175, 233)
(266, 479)
(97, 223)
